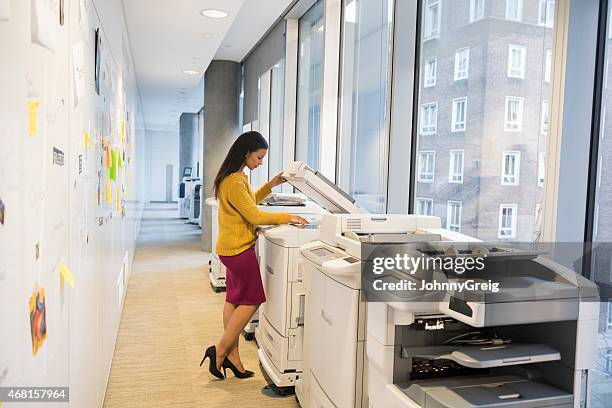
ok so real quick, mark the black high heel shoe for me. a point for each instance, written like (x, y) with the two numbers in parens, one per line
(237, 373)
(211, 353)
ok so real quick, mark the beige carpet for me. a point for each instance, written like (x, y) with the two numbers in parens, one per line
(170, 315)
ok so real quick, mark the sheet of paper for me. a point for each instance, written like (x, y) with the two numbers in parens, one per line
(119, 159)
(113, 165)
(123, 133)
(45, 21)
(78, 70)
(38, 319)
(5, 10)
(84, 18)
(33, 105)
(109, 193)
(86, 141)
(65, 274)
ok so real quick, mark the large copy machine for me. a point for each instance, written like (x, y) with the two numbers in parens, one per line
(280, 331)
(529, 345)
(335, 313)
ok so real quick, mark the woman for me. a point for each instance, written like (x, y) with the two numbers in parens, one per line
(238, 216)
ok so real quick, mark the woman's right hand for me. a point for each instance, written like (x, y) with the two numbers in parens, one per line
(299, 221)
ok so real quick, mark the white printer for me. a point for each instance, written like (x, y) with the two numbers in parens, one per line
(281, 319)
(335, 318)
(530, 344)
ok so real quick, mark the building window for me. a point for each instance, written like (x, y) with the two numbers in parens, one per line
(455, 167)
(514, 10)
(514, 114)
(432, 19)
(517, 54)
(453, 216)
(507, 221)
(429, 118)
(431, 66)
(546, 15)
(427, 166)
(547, 66)
(477, 8)
(544, 121)
(511, 165)
(459, 114)
(424, 206)
(541, 168)
(609, 361)
(537, 213)
(462, 63)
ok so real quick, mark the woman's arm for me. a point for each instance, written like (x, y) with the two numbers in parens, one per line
(265, 190)
(241, 200)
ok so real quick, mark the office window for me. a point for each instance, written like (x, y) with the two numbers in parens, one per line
(517, 54)
(477, 9)
(459, 114)
(507, 220)
(453, 215)
(455, 167)
(429, 118)
(276, 161)
(462, 63)
(609, 361)
(310, 71)
(431, 66)
(514, 10)
(541, 168)
(511, 165)
(432, 19)
(609, 318)
(500, 117)
(547, 65)
(537, 214)
(424, 206)
(546, 13)
(514, 114)
(544, 121)
(427, 166)
(364, 102)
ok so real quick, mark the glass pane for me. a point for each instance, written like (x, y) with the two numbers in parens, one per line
(601, 376)
(310, 70)
(364, 118)
(484, 111)
(277, 98)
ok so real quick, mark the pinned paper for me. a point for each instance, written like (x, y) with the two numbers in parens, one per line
(119, 159)
(107, 157)
(113, 165)
(78, 70)
(44, 23)
(33, 105)
(86, 140)
(38, 319)
(66, 275)
(122, 132)
(109, 193)
(5, 15)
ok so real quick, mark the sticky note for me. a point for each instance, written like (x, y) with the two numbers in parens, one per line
(107, 157)
(86, 140)
(109, 193)
(119, 159)
(113, 166)
(66, 274)
(123, 132)
(33, 105)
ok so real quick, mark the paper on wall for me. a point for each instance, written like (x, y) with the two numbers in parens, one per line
(78, 69)
(33, 105)
(5, 10)
(84, 18)
(44, 23)
(65, 274)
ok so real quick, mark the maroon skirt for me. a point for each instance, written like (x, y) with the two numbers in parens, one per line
(243, 279)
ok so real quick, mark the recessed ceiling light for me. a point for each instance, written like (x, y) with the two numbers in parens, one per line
(190, 72)
(214, 13)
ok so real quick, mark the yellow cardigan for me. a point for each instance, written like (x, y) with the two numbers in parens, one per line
(238, 214)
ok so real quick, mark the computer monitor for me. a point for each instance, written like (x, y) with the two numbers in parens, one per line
(187, 172)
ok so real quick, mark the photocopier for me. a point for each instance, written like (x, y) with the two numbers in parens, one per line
(280, 331)
(528, 345)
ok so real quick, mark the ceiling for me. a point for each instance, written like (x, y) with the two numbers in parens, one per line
(169, 37)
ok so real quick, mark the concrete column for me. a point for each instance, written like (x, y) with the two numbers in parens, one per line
(188, 142)
(221, 128)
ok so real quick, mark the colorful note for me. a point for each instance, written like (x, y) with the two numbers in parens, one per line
(109, 193)
(33, 105)
(65, 274)
(38, 319)
(122, 132)
(113, 166)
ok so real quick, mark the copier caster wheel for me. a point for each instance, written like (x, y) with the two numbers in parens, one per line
(249, 336)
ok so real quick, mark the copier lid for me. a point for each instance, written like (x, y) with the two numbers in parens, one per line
(319, 189)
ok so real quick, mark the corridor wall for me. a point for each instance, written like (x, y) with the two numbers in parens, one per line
(71, 191)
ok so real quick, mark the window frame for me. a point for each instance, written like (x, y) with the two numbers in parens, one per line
(547, 65)
(460, 75)
(451, 166)
(424, 199)
(519, 124)
(426, 70)
(430, 153)
(451, 226)
(547, 23)
(474, 14)
(544, 117)
(454, 122)
(519, 6)
(541, 169)
(432, 33)
(514, 220)
(523, 61)
(435, 124)
(517, 175)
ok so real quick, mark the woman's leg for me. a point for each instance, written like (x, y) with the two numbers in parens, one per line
(233, 354)
(236, 323)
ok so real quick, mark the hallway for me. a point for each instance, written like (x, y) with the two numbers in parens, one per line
(170, 314)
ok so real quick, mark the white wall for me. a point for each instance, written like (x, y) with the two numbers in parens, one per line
(56, 206)
(162, 149)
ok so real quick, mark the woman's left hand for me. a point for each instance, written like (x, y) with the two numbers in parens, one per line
(277, 180)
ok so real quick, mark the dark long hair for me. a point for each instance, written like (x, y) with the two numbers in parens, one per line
(246, 143)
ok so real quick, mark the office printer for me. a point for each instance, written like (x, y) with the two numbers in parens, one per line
(529, 345)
